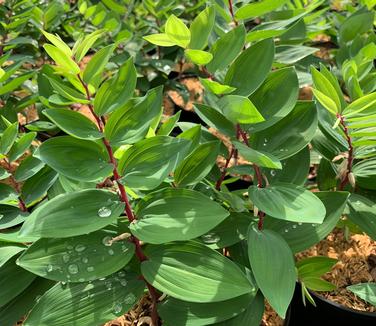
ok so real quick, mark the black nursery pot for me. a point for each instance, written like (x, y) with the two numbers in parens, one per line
(327, 313)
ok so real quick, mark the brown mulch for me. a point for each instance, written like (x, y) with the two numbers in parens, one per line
(138, 316)
(356, 264)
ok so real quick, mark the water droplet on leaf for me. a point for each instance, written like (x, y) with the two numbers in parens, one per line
(104, 212)
(73, 269)
(80, 248)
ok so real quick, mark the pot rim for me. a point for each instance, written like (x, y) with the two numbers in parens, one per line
(341, 306)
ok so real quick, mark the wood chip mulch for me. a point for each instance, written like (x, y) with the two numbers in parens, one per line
(356, 264)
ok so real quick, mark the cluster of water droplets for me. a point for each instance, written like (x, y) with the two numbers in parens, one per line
(210, 238)
(295, 226)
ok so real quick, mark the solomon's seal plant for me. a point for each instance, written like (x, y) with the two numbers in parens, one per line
(108, 201)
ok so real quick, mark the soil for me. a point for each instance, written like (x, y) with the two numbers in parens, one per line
(356, 264)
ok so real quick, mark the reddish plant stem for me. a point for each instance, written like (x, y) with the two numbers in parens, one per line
(261, 215)
(124, 197)
(223, 174)
(255, 166)
(350, 159)
(232, 13)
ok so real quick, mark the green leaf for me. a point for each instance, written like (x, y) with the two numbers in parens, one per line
(288, 202)
(291, 134)
(11, 216)
(97, 64)
(8, 138)
(365, 291)
(361, 104)
(114, 93)
(356, 24)
(290, 54)
(314, 266)
(74, 123)
(82, 47)
(260, 158)
(294, 170)
(317, 284)
(20, 306)
(13, 280)
(168, 125)
(365, 173)
(260, 8)
(75, 158)
(21, 145)
(147, 163)
(273, 267)
(252, 316)
(78, 259)
(28, 167)
(38, 185)
(251, 67)
(179, 270)
(177, 31)
(201, 28)
(232, 230)
(239, 109)
(198, 57)
(215, 87)
(197, 165)
(58, 42)
(168, 216)
(59, 217)
(4, 174)
(275, 98)
(326, 101)
(131, 122)
(215, 119)
(15, 83)
(13, 235)
(62, 59)
(181, 313)
(160, 39)
(66, 92)
(87, 303)
(9, 251)
(226, 48)
(7, 194)
(363, 214)
(301, 236)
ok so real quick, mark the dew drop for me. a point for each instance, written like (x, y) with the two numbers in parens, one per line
(286, 230)
(300, 223)
(66, 258)
(104, 212)
(272, 173)
(80, 248)
(210, 238)
(85, 260)
(107, 241)
(69, 247)
(49, 268)
(130, 299)
(90, 269)
(117, 307)
(313, 224)
(123, 282)
(121, 274)
(294, 226)
(108, 285)
(81, 280)
(73, 269)
(110, 252)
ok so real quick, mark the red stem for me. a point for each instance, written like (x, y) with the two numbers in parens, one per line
(123, 195)
(223, 174)
(261, 215)
(232, 12)
(350, 159)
